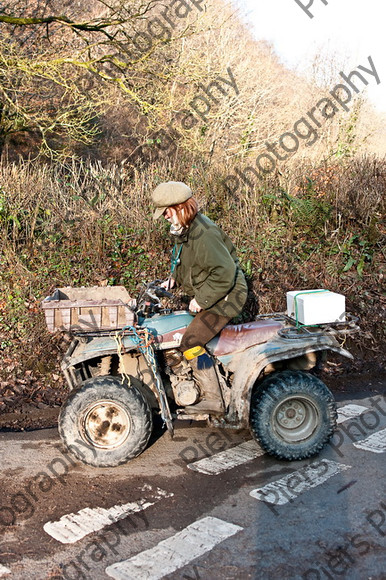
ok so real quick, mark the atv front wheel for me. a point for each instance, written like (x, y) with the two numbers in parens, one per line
(293, 415)
(105, 423)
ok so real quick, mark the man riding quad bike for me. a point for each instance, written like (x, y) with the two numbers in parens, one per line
(193, 364)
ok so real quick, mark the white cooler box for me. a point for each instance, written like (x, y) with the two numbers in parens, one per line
(316, 306)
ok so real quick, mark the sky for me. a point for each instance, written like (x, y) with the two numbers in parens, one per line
(352, 30)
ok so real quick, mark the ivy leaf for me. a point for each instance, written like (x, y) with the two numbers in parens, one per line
(349, 264)
(361, 266)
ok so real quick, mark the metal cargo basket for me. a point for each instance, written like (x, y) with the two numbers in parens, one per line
(80, 310)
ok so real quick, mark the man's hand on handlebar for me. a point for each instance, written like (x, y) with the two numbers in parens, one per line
(194, 306)
(168, 284)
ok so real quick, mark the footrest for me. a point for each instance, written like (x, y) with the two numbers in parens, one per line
(181, 414)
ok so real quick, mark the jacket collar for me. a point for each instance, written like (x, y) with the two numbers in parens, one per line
(184, 237)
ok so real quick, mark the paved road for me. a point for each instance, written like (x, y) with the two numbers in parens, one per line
(209, 505)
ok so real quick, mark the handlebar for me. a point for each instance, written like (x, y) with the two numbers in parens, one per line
(149, 301)
(162, 293)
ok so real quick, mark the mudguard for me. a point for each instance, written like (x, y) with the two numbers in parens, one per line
(248, 366)
(101, 346)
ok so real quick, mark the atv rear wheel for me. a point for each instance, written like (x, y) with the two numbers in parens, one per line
(293, 415)
(105, 423)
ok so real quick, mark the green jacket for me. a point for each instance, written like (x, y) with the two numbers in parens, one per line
(208, 268)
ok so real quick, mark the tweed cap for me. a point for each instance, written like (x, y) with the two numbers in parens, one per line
(167, 194)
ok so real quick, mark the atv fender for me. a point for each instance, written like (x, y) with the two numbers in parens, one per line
(249, 365)
(134, 364)
(82, 351)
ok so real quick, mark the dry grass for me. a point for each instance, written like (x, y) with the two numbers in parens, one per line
(85, 223)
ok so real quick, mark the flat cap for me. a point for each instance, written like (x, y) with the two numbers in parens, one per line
(170, 193)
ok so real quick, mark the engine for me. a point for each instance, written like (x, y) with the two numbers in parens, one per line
(185, 389)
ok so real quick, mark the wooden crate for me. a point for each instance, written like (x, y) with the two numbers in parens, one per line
(88, 309)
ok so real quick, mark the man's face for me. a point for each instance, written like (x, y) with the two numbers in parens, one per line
(170, 215)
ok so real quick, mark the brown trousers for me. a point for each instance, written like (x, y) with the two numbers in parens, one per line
(208, 323)
(202, 329)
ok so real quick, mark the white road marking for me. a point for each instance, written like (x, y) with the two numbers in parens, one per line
(228, 459)
(174, 552)
(250, 450)
(291, 486)
(375, 442)
(73, 527)
(349, 411)
(4, 570)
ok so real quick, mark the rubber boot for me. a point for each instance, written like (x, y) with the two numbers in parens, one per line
(206, 377)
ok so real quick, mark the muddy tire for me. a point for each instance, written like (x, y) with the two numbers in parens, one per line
(293, 415)
(105, 423)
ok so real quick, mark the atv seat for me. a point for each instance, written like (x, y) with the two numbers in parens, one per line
(238, 337)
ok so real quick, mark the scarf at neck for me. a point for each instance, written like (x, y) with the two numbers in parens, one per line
(177, 230)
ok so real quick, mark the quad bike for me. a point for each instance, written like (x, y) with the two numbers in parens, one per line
(121, 380)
